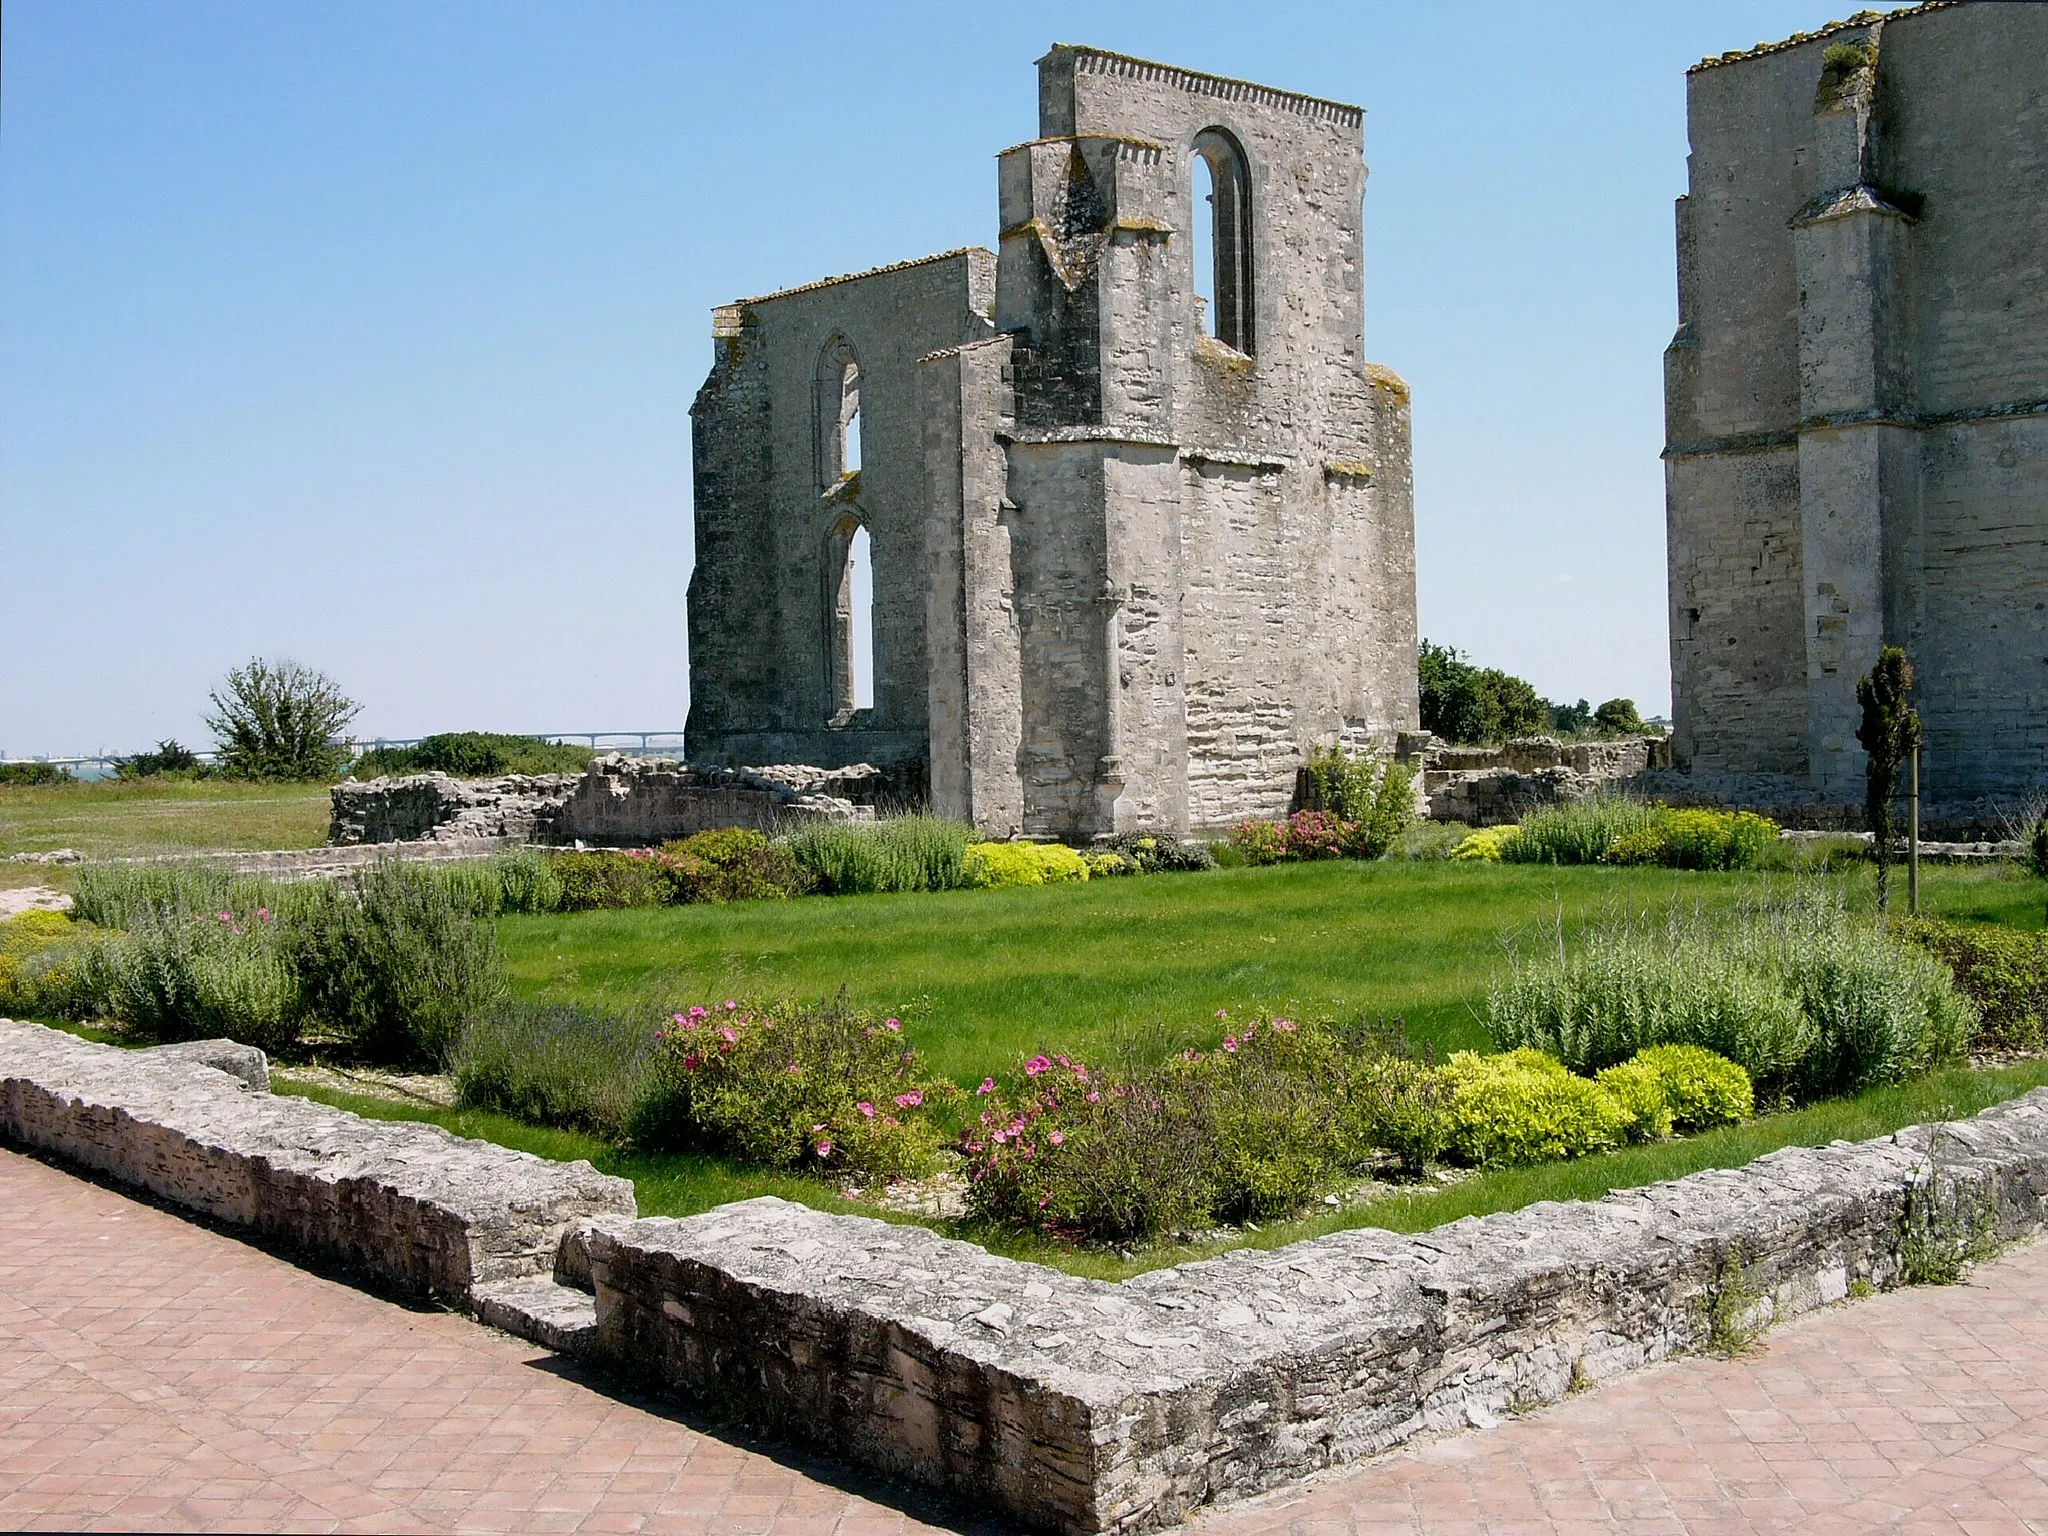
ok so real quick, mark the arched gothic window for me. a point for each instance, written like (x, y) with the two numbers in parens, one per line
(838, 392)
(850, 617)
(1223, 239)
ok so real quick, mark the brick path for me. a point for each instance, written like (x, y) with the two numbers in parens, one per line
(156, 1374)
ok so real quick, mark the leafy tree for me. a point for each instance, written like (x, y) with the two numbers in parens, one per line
(279, 720)
(1461, 702)
(1618, 717)
(169, 757)
(1571, 719)
(1889, 733)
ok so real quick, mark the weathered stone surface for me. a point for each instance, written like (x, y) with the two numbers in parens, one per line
(241, 1061)
(1856, 405)
(1078, 1405)
(1486, 786)
(537, 1308)
(408, 1204)
(1129, 565)
(618, 801)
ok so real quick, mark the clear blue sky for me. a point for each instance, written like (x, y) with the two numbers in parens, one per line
(366, 333)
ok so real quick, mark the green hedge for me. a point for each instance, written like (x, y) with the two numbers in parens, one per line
(2004, 972)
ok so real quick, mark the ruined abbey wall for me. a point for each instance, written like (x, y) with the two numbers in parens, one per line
(1857, 402)
(1159, 553)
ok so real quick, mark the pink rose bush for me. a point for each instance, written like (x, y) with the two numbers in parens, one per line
(1276, 1113)
(804, 1088)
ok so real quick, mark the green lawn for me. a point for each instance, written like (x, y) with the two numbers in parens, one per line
(981, 977)
(112, 819)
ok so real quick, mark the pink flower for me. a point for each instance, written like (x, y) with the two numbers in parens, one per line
(1094, 1097)
(909, 1100)
(824, 1149)
(1230, 1044)
(228, 918)
(1057, 1138)
(793, 1070)
(1000, 1137)
(698, 1012)
(692, 1061)
(895, 1026)
(1036, 1065)
(866, 1109)
(727, 1034)
(1285, 1026)
(1222, 1013)
(988, 1085)
(263, 913)
(731, 1006)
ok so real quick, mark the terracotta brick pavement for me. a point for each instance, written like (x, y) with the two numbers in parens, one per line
(155, 1374)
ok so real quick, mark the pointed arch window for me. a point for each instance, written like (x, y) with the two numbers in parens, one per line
(838, 391)
(1223, 239)
(850, 618)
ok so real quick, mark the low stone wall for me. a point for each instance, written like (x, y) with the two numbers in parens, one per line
(410, 1205)
(1077, 1405)
(1070, 1404)
(617, 801)
(1487, 786)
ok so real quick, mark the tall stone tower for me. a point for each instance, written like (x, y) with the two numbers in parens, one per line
(1166, 543)
(1857, 401)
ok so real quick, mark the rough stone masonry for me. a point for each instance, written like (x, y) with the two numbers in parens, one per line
(1135, 548)
(1857, 403)
(1068, 1404)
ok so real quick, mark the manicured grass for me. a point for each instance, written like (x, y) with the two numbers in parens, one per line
(681, 1185)
(112, 819)
(981, 978)
(1976, 893)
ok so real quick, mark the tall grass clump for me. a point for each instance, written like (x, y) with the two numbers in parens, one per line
(184, 976)
(127, 895)
(901, 853)
(1809, 999)
(559, 1064)
(398, 966)
(1579, 832)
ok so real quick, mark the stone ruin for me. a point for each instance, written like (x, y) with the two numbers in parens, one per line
(1135, 549)
(1856, 407)
(618, 801)
(1491, 786)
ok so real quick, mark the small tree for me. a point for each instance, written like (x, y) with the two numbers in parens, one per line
(1618, 717)
(1889, 733)
(279, 720)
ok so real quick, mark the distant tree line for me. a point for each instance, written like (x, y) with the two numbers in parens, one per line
(1467, 703)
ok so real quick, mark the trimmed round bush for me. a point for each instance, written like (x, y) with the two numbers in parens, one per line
(1487, 845)
(1524, 1107)
(990, 866)
(1639, 1090)
(1700, 1088)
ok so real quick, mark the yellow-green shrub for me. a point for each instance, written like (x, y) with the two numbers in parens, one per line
(1639, 1090)
(1488, 844)
(40, 956)
(1524, 1107)
(992, 865)
(1702, 1089)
